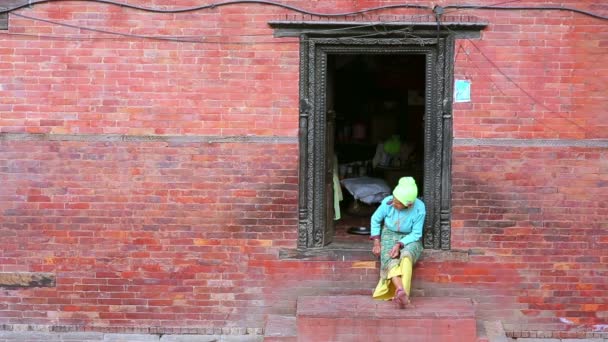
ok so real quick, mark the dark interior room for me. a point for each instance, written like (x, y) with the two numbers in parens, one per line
(379, 108)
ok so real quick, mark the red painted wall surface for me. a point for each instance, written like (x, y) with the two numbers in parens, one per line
(149, 233)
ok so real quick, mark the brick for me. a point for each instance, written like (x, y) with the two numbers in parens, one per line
(280, 328)
(332, 318)
(190, 338)
(82, 336)
(130, 338)
(216, 214)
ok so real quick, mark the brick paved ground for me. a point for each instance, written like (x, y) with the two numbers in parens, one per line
(11, 336)
(560, 340)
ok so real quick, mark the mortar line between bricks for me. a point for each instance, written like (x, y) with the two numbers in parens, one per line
(602, 143)
(210, 139)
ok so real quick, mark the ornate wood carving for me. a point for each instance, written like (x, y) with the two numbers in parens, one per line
(446, 163)
(439, 52)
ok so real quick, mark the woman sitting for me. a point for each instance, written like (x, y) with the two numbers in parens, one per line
(398, 244)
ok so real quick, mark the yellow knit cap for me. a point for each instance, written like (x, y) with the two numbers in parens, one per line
(406, 191)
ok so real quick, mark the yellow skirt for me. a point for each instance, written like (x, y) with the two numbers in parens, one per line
(385, 290)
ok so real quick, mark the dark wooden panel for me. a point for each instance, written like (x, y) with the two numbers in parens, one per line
(4, 5)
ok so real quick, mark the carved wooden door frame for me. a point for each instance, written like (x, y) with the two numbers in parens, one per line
(314, 53)
(429, 36)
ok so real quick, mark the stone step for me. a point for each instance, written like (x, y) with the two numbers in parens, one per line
(280, 328)
(360, 318)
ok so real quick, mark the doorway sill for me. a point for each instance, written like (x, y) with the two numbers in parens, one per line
(361, 251)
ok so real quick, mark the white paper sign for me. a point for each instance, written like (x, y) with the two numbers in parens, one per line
(462, 91)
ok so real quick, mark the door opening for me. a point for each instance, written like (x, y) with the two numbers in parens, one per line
(376, 109)
(332, 102)
(328, 99)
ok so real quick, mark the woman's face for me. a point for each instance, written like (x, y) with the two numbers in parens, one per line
(400, 206)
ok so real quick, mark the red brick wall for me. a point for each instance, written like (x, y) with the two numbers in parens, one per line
(535, 214)
(534, 75)
(143, 233)
(539, 217)
(148, 233)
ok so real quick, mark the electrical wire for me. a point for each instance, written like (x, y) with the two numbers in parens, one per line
(196, 39)
(178, 40)
(524, 90)
(534, 100)
(129, 35)
(226, 3)
(470, 59)
(495, 86)
(303, 11)
(188, 39)
(205, 40)
(473, 7)
(530, 8)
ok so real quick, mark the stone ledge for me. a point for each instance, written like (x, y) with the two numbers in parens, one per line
(204, 331)
(280, 328)
(555, 334)
(26, 279)
(362, 252)
(11, 336)
(360, 318)
(365, 307)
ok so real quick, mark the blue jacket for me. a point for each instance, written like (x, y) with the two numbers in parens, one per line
(410, 220)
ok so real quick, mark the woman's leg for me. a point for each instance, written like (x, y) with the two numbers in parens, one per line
(403, 282)
(401, 297)
(406, 274)
(397, 282)
(404, 279)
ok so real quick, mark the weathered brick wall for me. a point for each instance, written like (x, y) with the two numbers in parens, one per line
(149, 233)
(534, 210)
(152, 232)
(535, 74)
(538, 216)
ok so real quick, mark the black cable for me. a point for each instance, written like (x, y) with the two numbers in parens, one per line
(525, 91)
(495, 86)
(156, 38)
(225, 3)
(182, 39)
(534, 100)
(196, 39)
(476, 7)
(488, 77)
(193, 39)
(530, 8)
(302, 11)
(130, 35)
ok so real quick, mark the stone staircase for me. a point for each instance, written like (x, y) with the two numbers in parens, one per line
(360, 318)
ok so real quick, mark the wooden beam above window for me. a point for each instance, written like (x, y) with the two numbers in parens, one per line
(8, 4)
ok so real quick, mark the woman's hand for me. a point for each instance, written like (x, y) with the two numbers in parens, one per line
(376, 248)
(395, 251)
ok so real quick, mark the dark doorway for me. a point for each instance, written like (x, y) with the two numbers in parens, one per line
(323, 65)
(377, 108)
(327, 46)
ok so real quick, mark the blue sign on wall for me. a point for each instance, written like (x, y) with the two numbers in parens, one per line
(462, 91)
